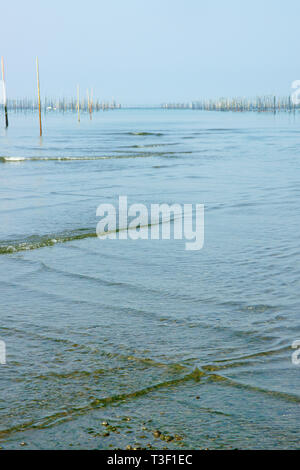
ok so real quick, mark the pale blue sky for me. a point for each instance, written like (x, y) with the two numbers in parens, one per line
(151, 51)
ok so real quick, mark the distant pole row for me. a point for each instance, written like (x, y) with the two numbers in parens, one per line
(64, 105)
(258, 104)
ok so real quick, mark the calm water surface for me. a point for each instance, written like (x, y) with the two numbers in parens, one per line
(143, 334)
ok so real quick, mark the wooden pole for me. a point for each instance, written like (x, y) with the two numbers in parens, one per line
(78, 103)
(4, 93)
(39, 95)
(91, 104)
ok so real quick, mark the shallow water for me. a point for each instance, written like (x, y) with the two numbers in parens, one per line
(144, 334)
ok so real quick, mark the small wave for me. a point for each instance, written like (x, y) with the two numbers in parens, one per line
(12, 159)
(158, 134)
(137, 146)
(54, 419)
(196, 375)
(38, 159)
(35, 242)
(62, 159)
(86, 158)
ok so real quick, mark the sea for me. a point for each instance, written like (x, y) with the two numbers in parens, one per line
(122, 343)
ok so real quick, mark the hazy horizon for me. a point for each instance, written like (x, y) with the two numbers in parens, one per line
(147, 53)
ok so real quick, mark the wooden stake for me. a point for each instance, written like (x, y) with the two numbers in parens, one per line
(4, 93)
(91, 104)
(39, 95)
(78, 103)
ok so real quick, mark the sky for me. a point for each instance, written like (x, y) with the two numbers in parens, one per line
(151, 51)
